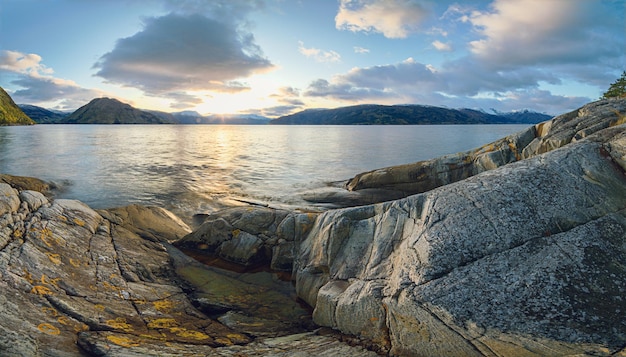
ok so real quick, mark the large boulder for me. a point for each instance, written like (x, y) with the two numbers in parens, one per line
(425, 175)
(524, 259)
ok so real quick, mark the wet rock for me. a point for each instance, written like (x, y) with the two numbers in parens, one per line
(251, 235)
(25, 183)
(522, 259)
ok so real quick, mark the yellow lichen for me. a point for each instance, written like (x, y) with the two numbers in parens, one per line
(54, 258)
(47, 281)
(75, 262)
(79, 222)
(223, 341)
(236, 233)
(237, 337)
(48, 329)
(40, 290)
(183, 332)
(99, 307)
(28, 276)
(162, 323)
(80, 327)
(119, 324)
(123, 341)
(63, 320)
(163, 305)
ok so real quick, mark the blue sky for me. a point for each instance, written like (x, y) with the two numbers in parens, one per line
(274, 57)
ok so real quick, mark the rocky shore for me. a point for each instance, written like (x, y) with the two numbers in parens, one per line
(515, 248)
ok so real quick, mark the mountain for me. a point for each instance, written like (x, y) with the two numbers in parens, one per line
(111, 111)
(10, 113)
(190, 117)
(42, 115)
(526, 116)
(372, 114)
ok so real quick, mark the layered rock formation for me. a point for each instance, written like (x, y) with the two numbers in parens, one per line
(524, 259)
(108, 283)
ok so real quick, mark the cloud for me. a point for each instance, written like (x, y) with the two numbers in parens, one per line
(361, 50)
(376, 83)
(289, 96)
(530, 32)
(38, 85)
(175, 53)
(319, 55)
(440, 46)
(461, 83)
(392, 18)
(19, 62)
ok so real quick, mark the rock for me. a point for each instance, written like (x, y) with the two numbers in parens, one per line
(25, 183)
(426, 175)
(149, 222)
(243, 248)
(76, 281)
(521, 259)
(9, 199)
(251, 235)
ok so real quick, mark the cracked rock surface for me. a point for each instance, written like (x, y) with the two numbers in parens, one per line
(524, 259)
(74, 281)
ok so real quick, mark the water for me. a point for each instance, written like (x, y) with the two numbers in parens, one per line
(200, 168)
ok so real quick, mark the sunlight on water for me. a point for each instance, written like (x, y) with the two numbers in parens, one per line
(200, 168)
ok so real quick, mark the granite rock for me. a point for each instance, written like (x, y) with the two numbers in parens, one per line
(524, 259)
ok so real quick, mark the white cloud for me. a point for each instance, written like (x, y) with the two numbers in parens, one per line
(319, 55)
(361, 50)
(37, 85)
(392, 18)
(175, 53)
(531, 32)
(441, 46)
(19, 62)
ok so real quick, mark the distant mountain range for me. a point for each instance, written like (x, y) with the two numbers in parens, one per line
(112, 111)
(10, 113)
(406, 114)
(191, 117)
(42, 115)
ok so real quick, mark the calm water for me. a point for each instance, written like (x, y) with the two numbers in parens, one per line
(197, 169)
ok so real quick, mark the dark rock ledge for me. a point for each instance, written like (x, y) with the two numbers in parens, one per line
(520, 254)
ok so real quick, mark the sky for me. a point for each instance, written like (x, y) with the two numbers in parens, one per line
(276, 57)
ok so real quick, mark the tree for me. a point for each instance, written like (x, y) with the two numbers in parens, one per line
(617, 89)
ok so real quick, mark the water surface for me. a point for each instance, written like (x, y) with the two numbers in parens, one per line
(199, 168)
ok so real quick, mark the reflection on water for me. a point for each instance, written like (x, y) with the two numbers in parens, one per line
(199, 168)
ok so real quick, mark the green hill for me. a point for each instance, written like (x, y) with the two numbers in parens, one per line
(371, 114)
(10, 113)
(110, 111)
